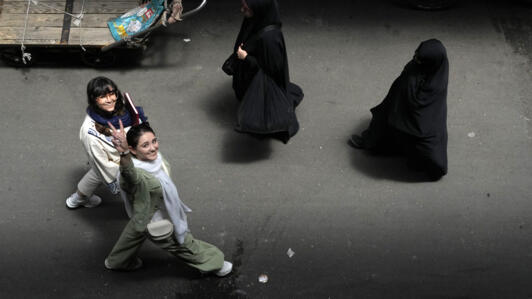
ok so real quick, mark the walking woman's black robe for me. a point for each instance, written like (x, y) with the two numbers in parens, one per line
(261, 82)
(413, 116)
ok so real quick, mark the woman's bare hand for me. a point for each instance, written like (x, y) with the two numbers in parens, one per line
(242, 54)
(119, 137)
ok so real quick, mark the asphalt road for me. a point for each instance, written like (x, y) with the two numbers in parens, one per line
(360, 226)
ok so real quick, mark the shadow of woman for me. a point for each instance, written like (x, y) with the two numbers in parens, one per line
(99, 229)
(107, 222)
(222, 107)
(240, 148)
(384, 166)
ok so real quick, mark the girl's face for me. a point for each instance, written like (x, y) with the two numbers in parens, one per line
(245, 10)
(107, 101)
(147, 148)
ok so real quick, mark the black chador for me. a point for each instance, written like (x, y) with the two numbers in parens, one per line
(261, 81)
(412, 119)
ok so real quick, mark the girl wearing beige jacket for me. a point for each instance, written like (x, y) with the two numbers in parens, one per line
(106, 104)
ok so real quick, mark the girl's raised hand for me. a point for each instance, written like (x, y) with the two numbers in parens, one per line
(119, 137)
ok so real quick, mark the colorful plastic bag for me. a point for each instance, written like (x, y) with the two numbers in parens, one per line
(135, 20)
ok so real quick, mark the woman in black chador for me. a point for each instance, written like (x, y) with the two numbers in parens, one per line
(260, 79)
(412, 119)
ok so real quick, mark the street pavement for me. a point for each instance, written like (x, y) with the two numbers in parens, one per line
(360, 226)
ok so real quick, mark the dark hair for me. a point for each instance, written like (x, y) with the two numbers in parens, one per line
(133, 135)
(100, 86)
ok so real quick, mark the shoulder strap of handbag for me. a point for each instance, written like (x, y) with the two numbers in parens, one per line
(257, 35)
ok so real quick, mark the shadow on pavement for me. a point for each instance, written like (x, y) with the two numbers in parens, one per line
(215, 287)
(222, 108)
(107, 222)
(221, 105)
(389, 167)
(245, 148)
(101, 228)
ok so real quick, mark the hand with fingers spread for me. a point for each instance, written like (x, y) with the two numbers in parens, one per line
(119, 137)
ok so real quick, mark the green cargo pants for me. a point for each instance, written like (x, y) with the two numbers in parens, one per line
(195, 253)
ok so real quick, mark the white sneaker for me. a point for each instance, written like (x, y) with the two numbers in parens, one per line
(75, 201)
(226, 269)
(106, 264)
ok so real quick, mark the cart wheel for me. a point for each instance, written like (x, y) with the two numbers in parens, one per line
(98, 59)
(13, 57)
(431, 4)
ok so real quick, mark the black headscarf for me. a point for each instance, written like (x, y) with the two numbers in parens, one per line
(266, 51)
(418, 98)
(265, 12)
(413, 116)
(261, 81)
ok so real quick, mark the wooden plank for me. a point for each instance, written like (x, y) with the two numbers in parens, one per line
(92, 36)
(37, 20)
(90, 7)
(52, 42)
(96, 20)
(20, 7)
(118, 7)
(54, 20)
(45, 25)
(67, 21)
(33, 42)
(52, 35)
(38, 33)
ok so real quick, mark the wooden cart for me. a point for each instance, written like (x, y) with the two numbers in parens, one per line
(55, 24)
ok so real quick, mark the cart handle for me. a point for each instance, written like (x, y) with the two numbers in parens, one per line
(159, 24)
(195, 10)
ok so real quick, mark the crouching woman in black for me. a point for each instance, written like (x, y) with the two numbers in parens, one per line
(412, 119)
(158, 212)
(260, 74)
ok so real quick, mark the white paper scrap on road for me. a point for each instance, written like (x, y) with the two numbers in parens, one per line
(290, 253)
(263, 278)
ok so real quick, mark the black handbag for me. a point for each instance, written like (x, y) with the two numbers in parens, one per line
(231, 62)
